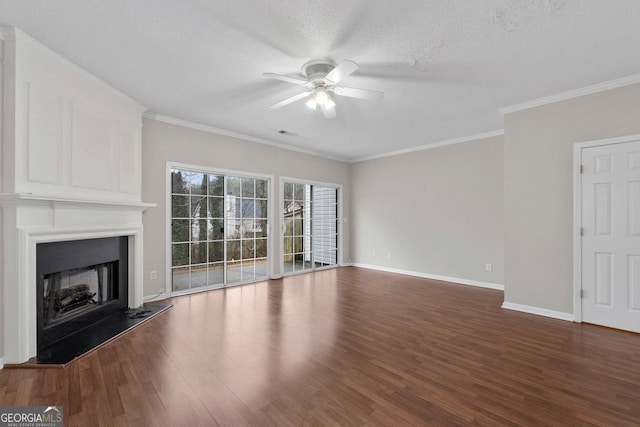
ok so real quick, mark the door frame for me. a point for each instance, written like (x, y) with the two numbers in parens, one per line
(280, 216)
(168, 288)
(577, 214)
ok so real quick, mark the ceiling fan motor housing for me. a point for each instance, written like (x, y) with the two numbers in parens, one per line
(317, 69)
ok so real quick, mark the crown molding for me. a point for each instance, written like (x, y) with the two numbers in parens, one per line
(575, 93)
(218, 131)
(446, 142)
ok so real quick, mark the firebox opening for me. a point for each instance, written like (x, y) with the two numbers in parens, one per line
(79, 283)
(70, 293)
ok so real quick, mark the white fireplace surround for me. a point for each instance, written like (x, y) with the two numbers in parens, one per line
(20, 340)
(70, 170)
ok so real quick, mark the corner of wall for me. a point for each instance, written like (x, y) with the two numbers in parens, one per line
(539, 190)
(1, 190)
(539, 311)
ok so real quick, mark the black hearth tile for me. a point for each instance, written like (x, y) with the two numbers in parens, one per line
(91, 337)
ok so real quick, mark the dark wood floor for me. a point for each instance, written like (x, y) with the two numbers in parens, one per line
(346, 347)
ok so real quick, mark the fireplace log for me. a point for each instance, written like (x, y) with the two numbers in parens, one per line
(75, 296)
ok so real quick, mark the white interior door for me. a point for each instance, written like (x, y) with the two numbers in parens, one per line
(610, 194)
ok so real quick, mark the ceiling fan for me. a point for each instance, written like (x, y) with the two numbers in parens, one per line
(322, 77)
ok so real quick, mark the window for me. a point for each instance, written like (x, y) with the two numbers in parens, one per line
(219, 229)
(310, 215)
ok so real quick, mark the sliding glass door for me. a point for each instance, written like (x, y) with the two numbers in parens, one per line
(246, 229)
(310, 229)
(219, 226)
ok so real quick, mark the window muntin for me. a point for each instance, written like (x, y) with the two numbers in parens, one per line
(218, 229)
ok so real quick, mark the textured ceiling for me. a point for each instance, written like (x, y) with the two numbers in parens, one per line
(445, 66)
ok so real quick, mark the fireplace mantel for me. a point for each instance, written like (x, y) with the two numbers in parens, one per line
(49, 199)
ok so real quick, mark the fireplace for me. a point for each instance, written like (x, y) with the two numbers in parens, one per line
(79, 283)
(71, 171)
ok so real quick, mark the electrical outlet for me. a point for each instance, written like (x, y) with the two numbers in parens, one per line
(153, 275)
(374, 254)
(389, 255)
(488, 267)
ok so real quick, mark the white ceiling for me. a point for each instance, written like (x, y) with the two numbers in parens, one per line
(445, 66)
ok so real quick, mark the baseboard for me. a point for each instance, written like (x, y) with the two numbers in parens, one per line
(539, 311)
(455, 280)
(153, 298)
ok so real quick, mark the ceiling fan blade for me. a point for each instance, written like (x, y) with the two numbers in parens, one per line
(341, 71)
(370, 95)
(287, 79)
(329, 113)
(291, 99)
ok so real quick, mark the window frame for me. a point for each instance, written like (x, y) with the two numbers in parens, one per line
(339, 225)
(168, 224)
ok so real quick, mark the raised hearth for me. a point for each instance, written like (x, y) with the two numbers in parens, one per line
(74, 346)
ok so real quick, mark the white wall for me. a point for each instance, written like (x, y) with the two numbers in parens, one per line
(538, 183)
(436, 211)
(163, 142)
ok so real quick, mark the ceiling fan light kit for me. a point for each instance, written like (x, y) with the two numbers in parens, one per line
(322, 76)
